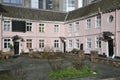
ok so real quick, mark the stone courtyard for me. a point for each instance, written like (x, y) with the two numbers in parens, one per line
(26, 68)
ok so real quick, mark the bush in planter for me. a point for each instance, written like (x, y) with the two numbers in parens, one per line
(11, 47)
(75, 51)
(94, 56)
(11, 52)
(4, 55)
(78, 63)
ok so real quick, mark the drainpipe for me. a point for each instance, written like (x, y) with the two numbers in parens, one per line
(115, 35)
(1, 32)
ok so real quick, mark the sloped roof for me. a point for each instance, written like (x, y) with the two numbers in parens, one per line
(102, 5)
(34, 14)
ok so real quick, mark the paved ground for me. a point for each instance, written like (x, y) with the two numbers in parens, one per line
(37, 69)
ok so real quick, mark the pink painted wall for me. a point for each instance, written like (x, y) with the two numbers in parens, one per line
(48, 36)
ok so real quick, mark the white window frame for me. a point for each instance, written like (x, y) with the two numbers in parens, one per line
(77, 27)
(69, 28)
(41, 28)
(7, 26)
(70, 43)
(97, 42)
(98, 21)
(56, 43)
(29, 26)
(56, 28)
(29, 41)
(88, 43)
(6, 42)
(41, 43)
(77, 43)
(88, 23)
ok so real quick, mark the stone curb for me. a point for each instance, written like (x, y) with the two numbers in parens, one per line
(111, 79)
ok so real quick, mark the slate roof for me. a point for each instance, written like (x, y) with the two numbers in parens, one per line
(34, 14)
(103, 5)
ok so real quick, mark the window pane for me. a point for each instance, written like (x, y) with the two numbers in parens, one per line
(56, 43)
(29, 43)
(41, 28)
(6, 43)
(28, 26)
(6, 1)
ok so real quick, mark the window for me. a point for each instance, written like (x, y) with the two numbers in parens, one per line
(6, 1)
(41, 28)
(13, 1)
(88, 23)
(77, 27)
(77, 43)
(88, 43)
(98, 21)
(56, 28)
(71, 3)
(70, 28)
(18, 26)
(111, 18)
(97, 42)
(41, 43)
(28, 26)
(7, 25)
(70, 43)
(37, 4)
(6, 43)
(29, 43)
(56, 43)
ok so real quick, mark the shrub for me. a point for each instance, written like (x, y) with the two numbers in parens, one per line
(55, 64)
(75, 51)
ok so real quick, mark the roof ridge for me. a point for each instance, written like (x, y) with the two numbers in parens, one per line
(33, 8)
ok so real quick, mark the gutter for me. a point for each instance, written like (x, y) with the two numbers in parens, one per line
(1, 17)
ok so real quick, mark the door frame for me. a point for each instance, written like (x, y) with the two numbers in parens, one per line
(18, 47)
(108, 51)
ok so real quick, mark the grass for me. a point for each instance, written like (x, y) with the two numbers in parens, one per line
(70, 73)
(7, 76)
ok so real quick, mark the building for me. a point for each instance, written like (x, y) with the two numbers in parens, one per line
(20, 3)
(94, 27)
(56, 5)
(68, 5)
(41, 4)
(87, 2)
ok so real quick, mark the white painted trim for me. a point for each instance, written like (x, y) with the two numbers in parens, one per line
(107, 52)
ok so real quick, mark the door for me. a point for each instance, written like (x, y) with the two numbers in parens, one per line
(110, 47)
(64, 46)
(16, 48)
(81, 46)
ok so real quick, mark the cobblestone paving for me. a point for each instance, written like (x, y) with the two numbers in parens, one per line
(38, 69)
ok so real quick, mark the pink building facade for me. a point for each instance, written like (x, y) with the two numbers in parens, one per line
(94, 27)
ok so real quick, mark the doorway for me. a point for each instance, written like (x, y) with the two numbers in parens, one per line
(16, 48)
(110, 47)
(64, 46)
